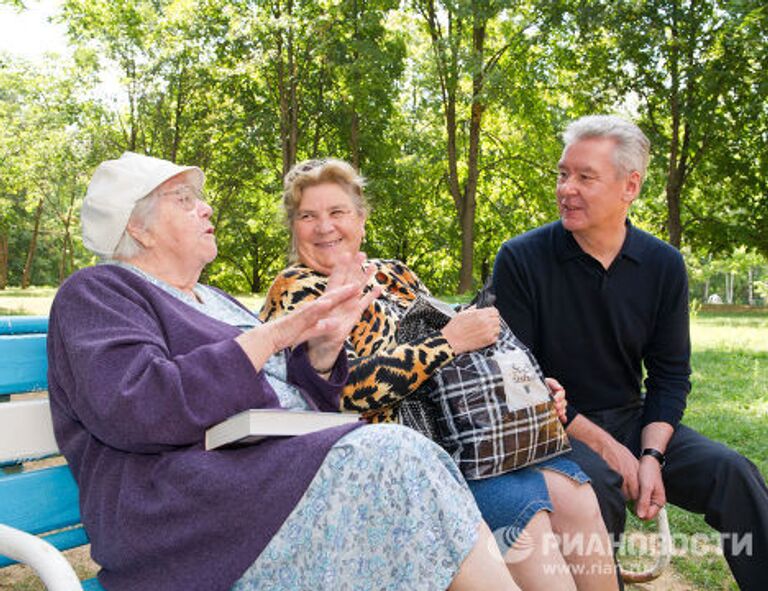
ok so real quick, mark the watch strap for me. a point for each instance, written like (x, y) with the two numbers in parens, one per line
(660, 457)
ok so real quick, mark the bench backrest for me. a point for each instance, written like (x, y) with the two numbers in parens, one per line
(41, 501)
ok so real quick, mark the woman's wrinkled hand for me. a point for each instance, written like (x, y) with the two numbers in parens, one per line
(472, 329)
(323, 323)
(324, 348)
(558, 397)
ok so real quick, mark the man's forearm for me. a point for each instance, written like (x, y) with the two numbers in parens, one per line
(585, 430)
(656, 436)
(616, 455)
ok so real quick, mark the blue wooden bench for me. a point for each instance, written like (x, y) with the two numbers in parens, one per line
(39, 510)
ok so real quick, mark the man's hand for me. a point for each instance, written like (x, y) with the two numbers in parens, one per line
(652, 495)
(618, 457)
(655, 435)
(625, 463)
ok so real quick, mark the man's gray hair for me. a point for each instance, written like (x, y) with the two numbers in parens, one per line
(128, 247)
(632, 146)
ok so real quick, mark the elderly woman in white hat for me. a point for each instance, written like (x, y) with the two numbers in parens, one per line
(143, 358)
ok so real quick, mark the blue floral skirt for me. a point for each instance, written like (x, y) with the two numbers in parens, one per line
(387, 510)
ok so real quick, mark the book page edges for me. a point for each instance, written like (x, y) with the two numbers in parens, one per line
(252, 425)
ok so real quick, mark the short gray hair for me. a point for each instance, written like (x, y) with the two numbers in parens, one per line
(141, 215)
(632, 146)
(316, 172)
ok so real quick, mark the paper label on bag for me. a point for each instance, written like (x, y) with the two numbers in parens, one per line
(522, 385)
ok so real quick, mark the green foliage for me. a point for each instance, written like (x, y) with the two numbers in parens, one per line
(245, 89)
(693, 74)
(48, 134)
(761, 287)
(728, 274)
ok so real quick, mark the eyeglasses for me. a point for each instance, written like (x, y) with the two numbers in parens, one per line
(187, 196)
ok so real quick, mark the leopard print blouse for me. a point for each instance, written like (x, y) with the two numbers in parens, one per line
(381, 372)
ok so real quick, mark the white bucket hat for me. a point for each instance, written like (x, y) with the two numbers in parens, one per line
(115, 188)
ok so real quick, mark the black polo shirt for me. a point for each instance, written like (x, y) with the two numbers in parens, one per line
(595, 329)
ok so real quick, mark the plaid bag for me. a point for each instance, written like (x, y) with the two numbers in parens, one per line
(494, 413)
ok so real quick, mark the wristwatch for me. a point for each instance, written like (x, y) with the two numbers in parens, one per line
(660, 457)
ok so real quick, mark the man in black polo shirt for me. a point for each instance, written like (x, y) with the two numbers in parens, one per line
(596, 299)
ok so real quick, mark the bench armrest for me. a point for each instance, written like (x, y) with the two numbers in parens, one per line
(49, 564)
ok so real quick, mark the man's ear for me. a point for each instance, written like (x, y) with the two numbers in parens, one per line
(632, 187)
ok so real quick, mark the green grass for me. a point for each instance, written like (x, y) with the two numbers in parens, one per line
(34, 301)
(729, 403)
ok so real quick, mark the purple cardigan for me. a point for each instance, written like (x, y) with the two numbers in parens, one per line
(135, 377)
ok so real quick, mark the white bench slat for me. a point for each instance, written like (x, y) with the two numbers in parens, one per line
(26, 430)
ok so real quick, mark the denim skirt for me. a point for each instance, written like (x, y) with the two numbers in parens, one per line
(509, 501)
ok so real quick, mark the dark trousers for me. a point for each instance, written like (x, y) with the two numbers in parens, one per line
(701, 476)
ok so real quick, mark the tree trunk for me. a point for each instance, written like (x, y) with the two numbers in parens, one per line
(133, 126)
(67, 251)
(473, 160)
(675, 168)
(354, 139)
(27, 273)
(256, 263)
(354, 127)
(3, 260)
(63, 259)
(467, 246)
(178, 114)
(485, 270)
(293, 122)
(674, 226)
(287, 87)
(447, 51)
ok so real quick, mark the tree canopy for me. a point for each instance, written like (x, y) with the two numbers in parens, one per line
(450, 108)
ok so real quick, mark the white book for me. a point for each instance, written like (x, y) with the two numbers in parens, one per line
(252, 425)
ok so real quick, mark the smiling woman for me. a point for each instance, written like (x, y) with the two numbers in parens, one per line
(326, 211)
(327, 224)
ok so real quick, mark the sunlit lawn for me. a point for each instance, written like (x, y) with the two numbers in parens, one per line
(729, 402)
(36, 301)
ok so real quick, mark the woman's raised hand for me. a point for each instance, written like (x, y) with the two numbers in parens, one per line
(324, 347)
(323, 323)
(558, 397)
(472, 329)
